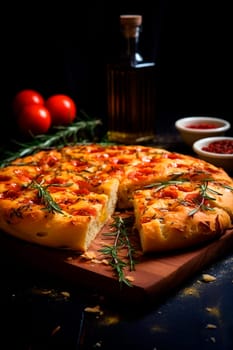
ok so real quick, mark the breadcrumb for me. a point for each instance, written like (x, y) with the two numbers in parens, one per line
(130, 278)
(89, 255)
(55, 330)
(213, 339)
(208, 278)
(95, 309)
(211, 326)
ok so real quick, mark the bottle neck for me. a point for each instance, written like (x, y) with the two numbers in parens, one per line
(130, 43)
(130, 51)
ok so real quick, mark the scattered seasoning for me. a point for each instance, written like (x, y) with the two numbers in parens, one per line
(221, 146)
(88, 255)
(55, 330)
(129, 278)
(95, 310)
(214, 311)
(191, 291)
(208, 278)
(111, 320)
(159, 329)
(211, 326)
(213, 339)
(65, 294)
(98, 344)
(203, 126)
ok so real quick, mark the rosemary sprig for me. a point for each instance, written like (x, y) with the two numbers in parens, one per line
(79, 131)
(160, 185)
(121, 241)
(204, 189)
(45, 197)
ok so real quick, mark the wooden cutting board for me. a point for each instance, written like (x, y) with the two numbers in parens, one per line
(155, 275)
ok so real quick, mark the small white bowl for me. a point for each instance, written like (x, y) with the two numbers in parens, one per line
(192, 129)
(222, 160)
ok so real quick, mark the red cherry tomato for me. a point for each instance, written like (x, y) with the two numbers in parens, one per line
(26, 97)
(34, 119)
(62, 109)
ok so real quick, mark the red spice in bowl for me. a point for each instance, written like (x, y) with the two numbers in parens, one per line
(203, 126)
(217, 150)
(220, 146)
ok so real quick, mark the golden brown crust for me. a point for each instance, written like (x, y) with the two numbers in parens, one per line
(178, 200)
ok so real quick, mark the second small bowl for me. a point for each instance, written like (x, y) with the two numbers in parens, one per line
(217, 150)
(194, 128)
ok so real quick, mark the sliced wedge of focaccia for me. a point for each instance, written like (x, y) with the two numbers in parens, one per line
(181, 213)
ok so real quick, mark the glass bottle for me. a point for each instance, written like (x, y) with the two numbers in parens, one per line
(131, 89)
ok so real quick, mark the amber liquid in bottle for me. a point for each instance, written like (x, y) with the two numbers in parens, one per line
(131, 91)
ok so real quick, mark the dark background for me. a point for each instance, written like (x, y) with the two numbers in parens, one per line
(64, 48)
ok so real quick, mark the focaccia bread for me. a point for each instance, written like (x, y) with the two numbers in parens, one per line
(178, 214)
(61, 198)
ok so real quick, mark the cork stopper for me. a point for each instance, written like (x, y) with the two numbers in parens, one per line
(132, 20)
(130, 24)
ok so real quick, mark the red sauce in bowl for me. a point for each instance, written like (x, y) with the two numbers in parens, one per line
(203, 125)
(221, 146)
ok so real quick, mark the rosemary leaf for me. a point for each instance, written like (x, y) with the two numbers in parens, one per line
(228, 187)
(163, 184)
(45, 197)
